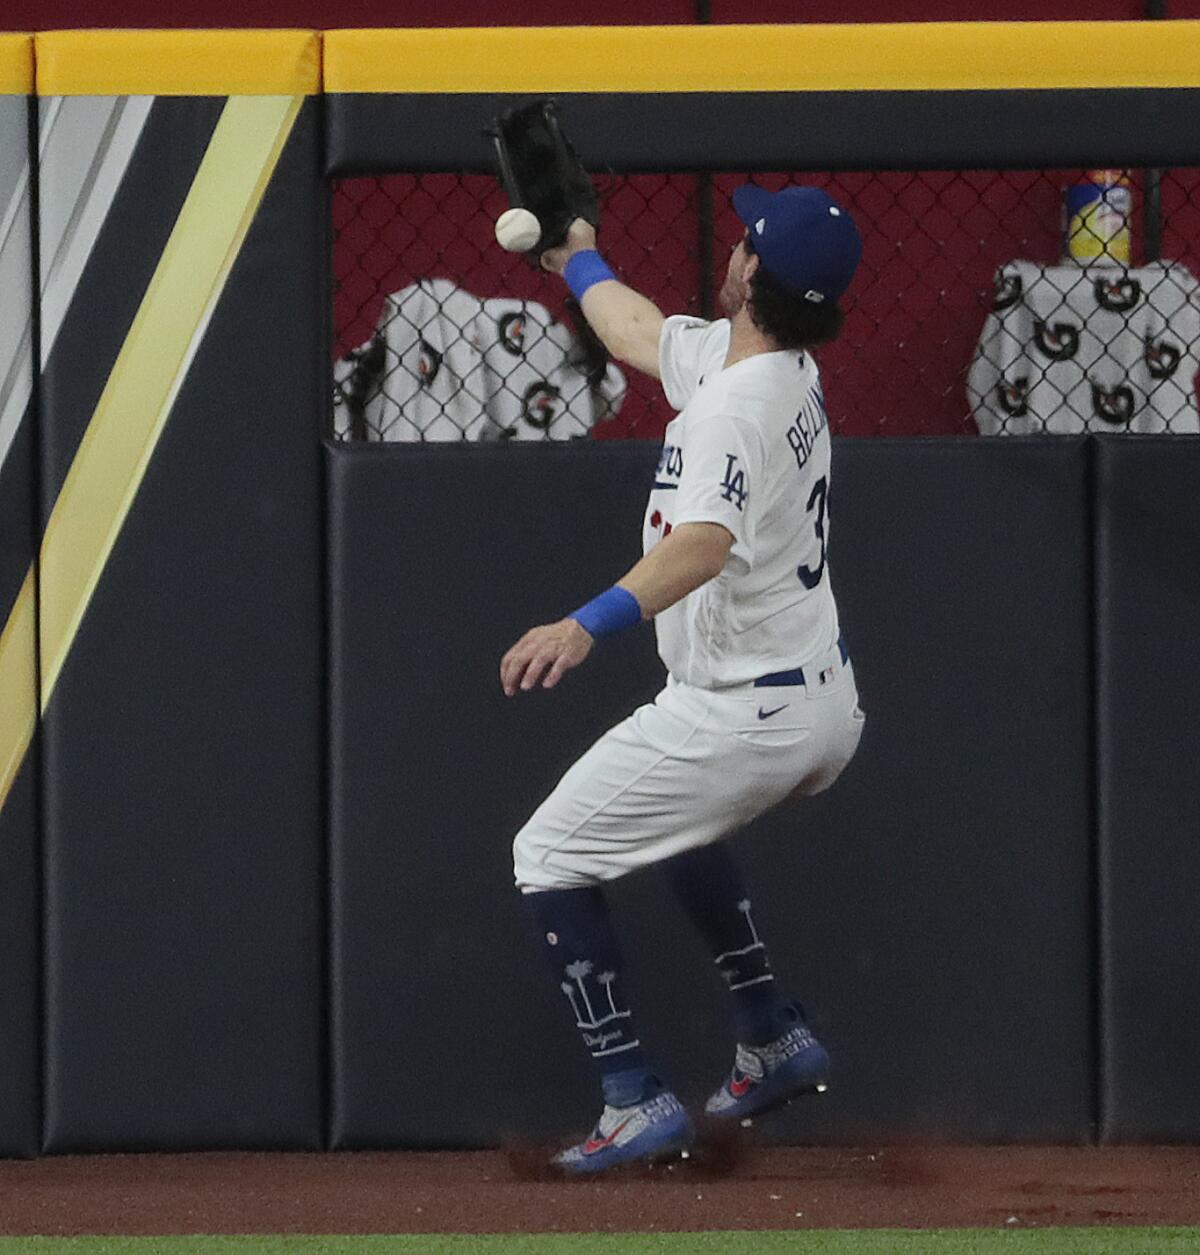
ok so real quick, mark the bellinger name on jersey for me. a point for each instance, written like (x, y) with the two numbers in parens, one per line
(808, 425)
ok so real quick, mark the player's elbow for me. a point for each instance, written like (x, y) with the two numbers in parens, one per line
(714, 564)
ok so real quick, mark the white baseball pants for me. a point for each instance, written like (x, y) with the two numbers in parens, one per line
(687, 769)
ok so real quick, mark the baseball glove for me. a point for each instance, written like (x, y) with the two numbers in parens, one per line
(541, 172)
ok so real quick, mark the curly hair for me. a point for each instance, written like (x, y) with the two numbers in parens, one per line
(791, 321)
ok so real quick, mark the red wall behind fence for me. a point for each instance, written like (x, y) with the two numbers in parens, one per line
(932, 243)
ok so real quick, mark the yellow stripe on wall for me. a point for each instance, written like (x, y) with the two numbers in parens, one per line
(178, 63)
(16, 65)
(153, 362)
(928, 56)
(18, 685)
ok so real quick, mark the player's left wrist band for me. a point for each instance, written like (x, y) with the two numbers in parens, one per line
(585, 269)
(613, 611)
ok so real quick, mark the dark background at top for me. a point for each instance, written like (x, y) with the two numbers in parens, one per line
(54, 14)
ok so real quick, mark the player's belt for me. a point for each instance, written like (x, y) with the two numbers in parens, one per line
(780, 679)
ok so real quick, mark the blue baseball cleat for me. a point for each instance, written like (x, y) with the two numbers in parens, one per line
(654, 1129)
(766, 1077)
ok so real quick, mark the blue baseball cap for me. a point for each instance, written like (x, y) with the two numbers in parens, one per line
(806, 241)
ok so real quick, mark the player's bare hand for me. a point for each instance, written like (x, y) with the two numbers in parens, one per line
(549, 651)
(580, 237)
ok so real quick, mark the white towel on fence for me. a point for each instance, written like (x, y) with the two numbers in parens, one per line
(1073, 349)
(433, 384)
(454, 367)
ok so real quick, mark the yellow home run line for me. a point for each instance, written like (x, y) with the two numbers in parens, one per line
(880, 57)
(129, 418)
(18, 685)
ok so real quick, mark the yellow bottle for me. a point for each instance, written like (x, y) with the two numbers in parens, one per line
(1098, 214)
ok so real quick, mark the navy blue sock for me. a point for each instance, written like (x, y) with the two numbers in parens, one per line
(581, 944)
(710, 888)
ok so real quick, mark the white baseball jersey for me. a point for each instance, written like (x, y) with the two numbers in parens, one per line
(750, 450)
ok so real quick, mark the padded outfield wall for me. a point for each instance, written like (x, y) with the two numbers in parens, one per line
(19, 909)
(182, 236)
(256, 882)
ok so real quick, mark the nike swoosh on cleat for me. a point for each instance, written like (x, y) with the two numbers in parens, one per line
(740, 1087)
(593, 1144)
(766, 714)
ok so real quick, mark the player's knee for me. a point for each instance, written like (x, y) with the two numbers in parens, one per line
(538, 865)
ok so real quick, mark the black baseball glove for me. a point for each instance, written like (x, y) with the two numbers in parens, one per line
(541, 172)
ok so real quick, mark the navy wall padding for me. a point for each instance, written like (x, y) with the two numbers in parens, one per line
(1148, 624)
(184, 759)
(20, 906)
(934, 909)
(20, 966)
(440, 557)
(370, 133)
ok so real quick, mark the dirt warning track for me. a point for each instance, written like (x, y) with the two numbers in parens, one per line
(770, 1188)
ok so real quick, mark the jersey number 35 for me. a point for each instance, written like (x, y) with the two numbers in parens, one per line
(818, 501)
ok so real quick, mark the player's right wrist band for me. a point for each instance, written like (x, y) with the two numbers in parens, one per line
(585, 269)
(613, 611)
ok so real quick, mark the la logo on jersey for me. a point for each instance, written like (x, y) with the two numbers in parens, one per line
(733, 486)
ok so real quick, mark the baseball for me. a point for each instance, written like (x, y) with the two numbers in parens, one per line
(517, 230)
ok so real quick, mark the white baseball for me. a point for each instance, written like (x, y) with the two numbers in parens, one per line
(517, 230)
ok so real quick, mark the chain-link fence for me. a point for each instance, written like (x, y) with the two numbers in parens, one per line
(976, 309)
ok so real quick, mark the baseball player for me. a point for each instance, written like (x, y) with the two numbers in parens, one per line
(760, 700)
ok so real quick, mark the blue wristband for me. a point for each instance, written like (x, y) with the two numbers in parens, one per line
(584, 269)
(613, 611)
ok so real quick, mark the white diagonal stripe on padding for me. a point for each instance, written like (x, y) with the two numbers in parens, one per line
(86, 145)
(132, 411)
(16, 283)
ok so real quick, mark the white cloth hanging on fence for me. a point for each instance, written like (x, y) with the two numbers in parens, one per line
(538, 373)
(1073, 349)
(444, 365)
(428, 382)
